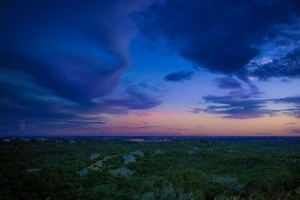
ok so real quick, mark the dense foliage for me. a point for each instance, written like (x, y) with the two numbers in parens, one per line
(236, 169)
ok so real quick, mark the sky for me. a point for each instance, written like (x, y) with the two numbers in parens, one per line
(147, 67)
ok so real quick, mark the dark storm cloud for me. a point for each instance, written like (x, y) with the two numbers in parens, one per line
(25, 107)
(179, 76)
(76, 79)
(227, 83)
(221, 36)
(56, 57)
(20, 97)
(76, 49)
(287, 66)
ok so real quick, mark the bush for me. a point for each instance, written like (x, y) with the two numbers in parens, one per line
(233, 185)
(166, 193)
(297, 191)
(228, 198)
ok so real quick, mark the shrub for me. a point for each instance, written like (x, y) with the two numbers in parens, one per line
(233, 185)
(166, 193)
(297, 191)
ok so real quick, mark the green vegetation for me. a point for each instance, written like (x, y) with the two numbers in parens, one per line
(233, 170)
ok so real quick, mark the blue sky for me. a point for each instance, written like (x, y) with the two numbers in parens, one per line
(150, 67)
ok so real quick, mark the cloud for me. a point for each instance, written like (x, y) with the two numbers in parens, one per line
(287, 66)
(195, 110)
(30, 108)
(136, 97)
(220, 36)
(227, 83)
(138, 127)
(147, 127)
(292, 123)
(179, 76)
(179, 129)
(77, 50)
(284, 80)
(295, 130)
(238, 105)
(264, 134)
(245, 104)
(144, 116)
(57, 57)
(86, 123)
(24, 99)
(293, 101)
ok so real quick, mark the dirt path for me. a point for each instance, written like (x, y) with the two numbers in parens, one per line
(100, 162)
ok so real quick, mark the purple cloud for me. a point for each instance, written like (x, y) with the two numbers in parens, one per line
(179, 76)
(227, 83)
(292, 123)
(238, 105)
